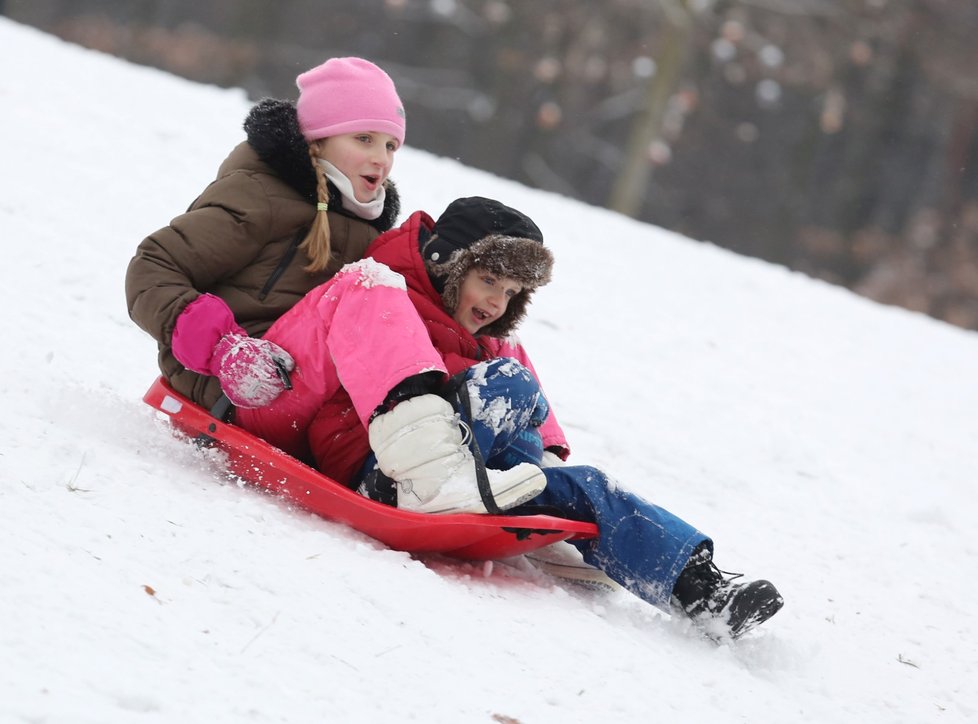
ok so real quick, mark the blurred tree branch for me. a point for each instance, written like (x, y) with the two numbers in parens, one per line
(632, 183)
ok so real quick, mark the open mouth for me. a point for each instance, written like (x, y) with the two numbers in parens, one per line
(372, 180)
(480, 315)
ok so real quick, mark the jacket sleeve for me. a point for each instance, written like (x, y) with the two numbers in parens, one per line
(223, 231)
(551, 431)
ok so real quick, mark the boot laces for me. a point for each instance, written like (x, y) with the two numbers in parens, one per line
(466, 432)
(725, 576)
(707, 564)
(714, 588)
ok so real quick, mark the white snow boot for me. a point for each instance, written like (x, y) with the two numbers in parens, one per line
(419, 444)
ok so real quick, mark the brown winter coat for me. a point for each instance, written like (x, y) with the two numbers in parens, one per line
(234, 239)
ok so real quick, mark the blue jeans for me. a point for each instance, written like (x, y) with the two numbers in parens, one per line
(641, 546)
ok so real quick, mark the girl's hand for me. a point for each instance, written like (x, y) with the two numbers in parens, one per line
(253, 372)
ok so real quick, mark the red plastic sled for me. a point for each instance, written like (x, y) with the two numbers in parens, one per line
(463, 535)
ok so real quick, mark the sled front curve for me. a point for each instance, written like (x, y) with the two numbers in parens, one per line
(462, 535)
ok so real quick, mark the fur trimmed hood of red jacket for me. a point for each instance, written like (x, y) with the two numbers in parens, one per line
(526, 261)
(476, 232)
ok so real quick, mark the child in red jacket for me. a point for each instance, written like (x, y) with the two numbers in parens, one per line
(470, 276)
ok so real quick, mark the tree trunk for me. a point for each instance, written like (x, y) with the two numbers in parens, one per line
(632, 182)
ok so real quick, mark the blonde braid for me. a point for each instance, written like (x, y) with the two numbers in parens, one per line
(316, 243)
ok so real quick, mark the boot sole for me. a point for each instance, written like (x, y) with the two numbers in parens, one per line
(762, 589)
(563, 561)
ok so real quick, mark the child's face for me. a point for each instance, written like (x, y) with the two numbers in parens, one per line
(483, 298)
(365, 158)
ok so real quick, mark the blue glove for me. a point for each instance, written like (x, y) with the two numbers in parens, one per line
(540, 411)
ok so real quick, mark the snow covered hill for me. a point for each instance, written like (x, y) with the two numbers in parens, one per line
(825, 442)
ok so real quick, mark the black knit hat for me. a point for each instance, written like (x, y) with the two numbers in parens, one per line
(477, 232)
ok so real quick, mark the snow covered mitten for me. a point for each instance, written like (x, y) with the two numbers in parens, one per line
(419, 444)
(207, 340)
(718, 605)
(253, 372)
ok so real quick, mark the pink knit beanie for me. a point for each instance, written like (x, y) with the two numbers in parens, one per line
(346, 95)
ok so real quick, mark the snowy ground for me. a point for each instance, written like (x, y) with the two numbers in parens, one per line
(825, 442)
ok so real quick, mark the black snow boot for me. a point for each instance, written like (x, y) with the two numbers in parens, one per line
(718, 605)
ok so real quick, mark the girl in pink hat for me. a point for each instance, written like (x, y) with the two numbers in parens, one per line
(293, 209)
(304, 194)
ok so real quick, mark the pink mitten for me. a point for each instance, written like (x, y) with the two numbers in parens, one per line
(253, 372)
(207, 340)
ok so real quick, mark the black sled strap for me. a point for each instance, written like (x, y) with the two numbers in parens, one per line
(481, 476)
(223, 409)
(379, 487)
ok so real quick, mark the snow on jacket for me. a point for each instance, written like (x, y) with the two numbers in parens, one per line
(338, 436)
(238, 241)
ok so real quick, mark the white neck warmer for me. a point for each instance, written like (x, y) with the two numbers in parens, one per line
(370, 210)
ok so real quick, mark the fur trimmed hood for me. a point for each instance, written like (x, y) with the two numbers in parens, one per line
(272, 128)
(526, 261)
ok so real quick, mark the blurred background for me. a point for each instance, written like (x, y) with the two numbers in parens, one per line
(836, 137)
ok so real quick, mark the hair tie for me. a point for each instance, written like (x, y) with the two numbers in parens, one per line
(322, 206)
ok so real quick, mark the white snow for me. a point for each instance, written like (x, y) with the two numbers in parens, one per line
(825, 442)
(373, 274)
